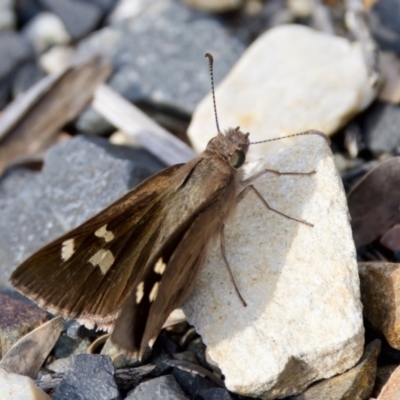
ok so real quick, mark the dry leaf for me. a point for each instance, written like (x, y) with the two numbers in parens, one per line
(374, 202)
(27, 355)
(391, 239)
(32, 122)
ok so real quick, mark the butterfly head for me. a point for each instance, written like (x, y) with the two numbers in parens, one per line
(231, 145)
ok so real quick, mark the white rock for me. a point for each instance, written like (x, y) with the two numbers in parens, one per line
(291, 79)
(18, 387)
(56, 59)
(46, 30)
(215, 5)
(303, 321)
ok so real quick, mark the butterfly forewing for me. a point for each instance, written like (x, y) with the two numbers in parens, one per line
(101, 258)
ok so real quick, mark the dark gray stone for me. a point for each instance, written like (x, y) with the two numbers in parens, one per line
(26, 10)
(75, 330)
(158, 56)
(5, 92)
(213, 394)
(184, 378)
(160, 360)
(166, 343)
(105, 5)
(91, 123)
(79, 17)
(385, 24)
(128, 378)
(162, 388)
(80, 177)
(380, 127)
(14, 50)
(26, 76)
(197, 347)
(186, 356)
(200, 384)
(65, 346)
(91, 377)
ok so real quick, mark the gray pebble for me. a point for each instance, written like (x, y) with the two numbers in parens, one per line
(380, 127)
(90, 377)
(158, 56)
(163, 388)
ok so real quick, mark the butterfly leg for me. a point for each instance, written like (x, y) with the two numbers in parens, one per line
(223, 253)
(247, 189)
(247, 181)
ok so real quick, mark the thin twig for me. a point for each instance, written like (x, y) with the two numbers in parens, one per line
(125, 116)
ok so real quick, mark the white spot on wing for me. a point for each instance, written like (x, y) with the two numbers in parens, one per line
(160, 266)
(104, 233)
(139, 292)
(154, 291)
(103, 259)
(67, 249)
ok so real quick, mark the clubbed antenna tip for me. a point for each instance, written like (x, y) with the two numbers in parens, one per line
(210, 67)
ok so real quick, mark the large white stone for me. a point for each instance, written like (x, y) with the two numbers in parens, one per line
(303, 321)
(18, 387)
(291, 79)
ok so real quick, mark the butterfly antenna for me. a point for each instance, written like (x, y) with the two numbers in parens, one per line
(210, 67)
(296, 134)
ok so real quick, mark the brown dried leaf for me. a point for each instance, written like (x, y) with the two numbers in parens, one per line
(391, 239)
(27, 355)
(32, 122)
(374, 202)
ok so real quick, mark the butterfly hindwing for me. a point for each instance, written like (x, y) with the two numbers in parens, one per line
(166, 282)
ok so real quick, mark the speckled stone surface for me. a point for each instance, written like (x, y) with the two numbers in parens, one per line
(303, 321)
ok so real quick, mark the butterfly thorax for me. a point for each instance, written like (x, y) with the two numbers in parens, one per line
(232, 146)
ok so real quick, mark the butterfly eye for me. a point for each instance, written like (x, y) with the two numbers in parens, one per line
(238, 158)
